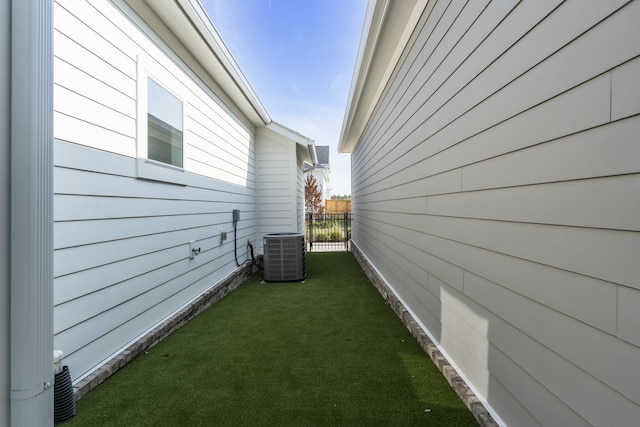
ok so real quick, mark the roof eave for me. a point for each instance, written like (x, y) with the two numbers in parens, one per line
(304, 145)
(386, 31)
(189, 22)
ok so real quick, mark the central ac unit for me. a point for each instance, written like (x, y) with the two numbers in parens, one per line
(284, 257)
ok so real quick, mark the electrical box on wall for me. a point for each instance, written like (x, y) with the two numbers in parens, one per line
(236, 215)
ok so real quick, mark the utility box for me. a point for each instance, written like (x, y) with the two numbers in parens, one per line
(284, 257)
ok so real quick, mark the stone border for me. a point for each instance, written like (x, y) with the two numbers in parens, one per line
(480, 413)
(161, 331)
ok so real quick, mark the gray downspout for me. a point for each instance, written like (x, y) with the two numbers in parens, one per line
(31, 299)
(5, 207)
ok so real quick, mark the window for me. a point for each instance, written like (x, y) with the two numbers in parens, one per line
(160, 135)
(164, 131)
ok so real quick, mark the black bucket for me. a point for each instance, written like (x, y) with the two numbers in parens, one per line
(64, 402)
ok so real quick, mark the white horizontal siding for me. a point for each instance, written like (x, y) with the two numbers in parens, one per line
(88, 86)
(122, 244)
(598, 203)
(624, 90)
(496, 190)
(112, 329)
(72, 52)
(92, 111)
(492, 96)
(606, 150)
(278, 194)
(121, 258)
(97, 49)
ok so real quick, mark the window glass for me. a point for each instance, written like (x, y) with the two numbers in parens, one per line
(165, 125)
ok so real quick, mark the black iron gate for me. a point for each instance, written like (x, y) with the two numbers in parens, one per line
(328, 232)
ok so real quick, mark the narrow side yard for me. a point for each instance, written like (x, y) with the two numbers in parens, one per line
(325, 352)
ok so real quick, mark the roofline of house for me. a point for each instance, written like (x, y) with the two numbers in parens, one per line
(191, 25)
(206, 28)
(387, 28)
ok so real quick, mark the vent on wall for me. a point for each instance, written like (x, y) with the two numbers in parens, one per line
(284, 257)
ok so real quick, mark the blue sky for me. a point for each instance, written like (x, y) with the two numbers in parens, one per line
(299, 57)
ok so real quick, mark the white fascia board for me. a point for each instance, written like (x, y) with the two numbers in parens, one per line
(288, 133)
(387, 29)
(199, 16)
(312, 152)
(190, 23)
(376, 10)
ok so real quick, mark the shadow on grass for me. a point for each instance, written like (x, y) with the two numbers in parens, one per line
(325, 352)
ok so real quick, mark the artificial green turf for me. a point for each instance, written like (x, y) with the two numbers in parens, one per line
(326, 352)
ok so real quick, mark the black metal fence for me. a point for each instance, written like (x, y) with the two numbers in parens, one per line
(328, 231)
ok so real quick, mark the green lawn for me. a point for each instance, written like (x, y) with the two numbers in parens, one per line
(327, 352)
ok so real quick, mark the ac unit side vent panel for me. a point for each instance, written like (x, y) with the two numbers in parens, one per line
(284, 257)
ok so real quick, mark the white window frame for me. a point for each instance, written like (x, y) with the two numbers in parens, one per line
(147, 168)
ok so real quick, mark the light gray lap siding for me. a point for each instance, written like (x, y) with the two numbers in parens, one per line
(497, 182)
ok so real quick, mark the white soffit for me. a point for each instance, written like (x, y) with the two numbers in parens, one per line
(387, 29)
(189, 22)
(304, 145)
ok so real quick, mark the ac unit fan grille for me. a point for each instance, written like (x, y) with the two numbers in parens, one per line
(284, 257)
